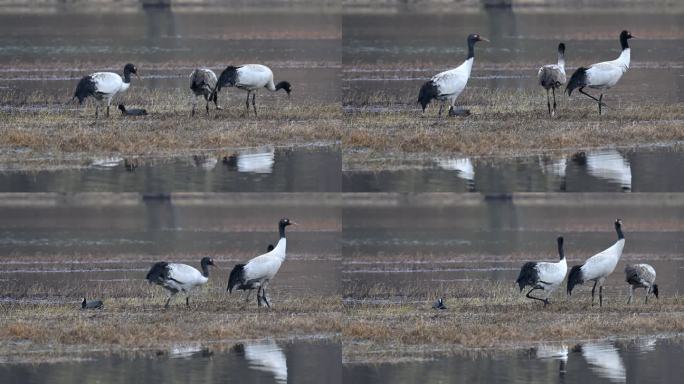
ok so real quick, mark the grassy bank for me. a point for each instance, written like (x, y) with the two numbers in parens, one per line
(43, 331)
(504, 122)
(39, 125)
(382, 325)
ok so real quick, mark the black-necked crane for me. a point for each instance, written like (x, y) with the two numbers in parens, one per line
(92, 304)
(543, 275)
(202, 83)
(552, 76)
(602, 76)
(598, 267)
(448, 85)
(258, 272)
(250, 78)
(641, 276)
(103, 86)
(176, 277)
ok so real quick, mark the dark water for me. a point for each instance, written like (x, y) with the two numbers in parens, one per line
(264, 169)
(265, 361)
(610, 170)
(403, 241)
(380, 52)
(646, 360)
(65, 244)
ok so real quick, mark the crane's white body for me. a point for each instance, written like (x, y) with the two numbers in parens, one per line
(606, 74)
(260, 270)
(599, 266)
(252, 77)
(107, 85)
(184, 278)
(551, 275)
(451, 83)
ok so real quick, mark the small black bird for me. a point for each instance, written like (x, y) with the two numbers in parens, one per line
(132, 112)
(93, 304)
(439, 304)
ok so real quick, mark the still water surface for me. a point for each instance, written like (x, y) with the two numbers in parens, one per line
(644, 360)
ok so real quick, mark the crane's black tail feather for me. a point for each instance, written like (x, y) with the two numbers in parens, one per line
(427, 92)
(237, 277)
(578, 80)
(528, 275)
(574, 278)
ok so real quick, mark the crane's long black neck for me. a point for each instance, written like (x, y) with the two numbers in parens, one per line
(623, 42)
(205, 268)
(127, 76)
(471, 49)
(618, 229)
(560, 250)
(281, 227)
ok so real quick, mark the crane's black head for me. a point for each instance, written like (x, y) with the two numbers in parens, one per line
(207, 261)
(655, 290)
(561, 48)
(284, 85)
(618, 228)
(122, 108)
(284, 222)
(618, 223)
(474, 38)
(130, 68)
(624, 36)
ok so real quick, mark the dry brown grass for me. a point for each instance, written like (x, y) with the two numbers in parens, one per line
(142, 322)
(487, 315)
(504, 122)
(41, 123)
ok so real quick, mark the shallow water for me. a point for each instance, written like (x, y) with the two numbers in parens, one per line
(653, 169)
(266, 361)
(636, 361)
(263, 169)
(402, 242)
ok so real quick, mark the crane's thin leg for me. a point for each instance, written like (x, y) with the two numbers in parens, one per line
(600, 102)
(535, 298)
(97, 108)
(601, 295)
(254, 103)
(247, 102)
(441, 106)
(631, 293)
(592, 97)
(259, 296)
(168, 300)
(108, 101)
(263, 296)
(648, 290)
(194, 103)
(206, 98)
(553, 90)
(548, 102)
(187, 299)
(592, 292)
(249, 293)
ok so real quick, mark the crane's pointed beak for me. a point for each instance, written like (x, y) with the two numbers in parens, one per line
(484, 39)
(293, 223)
(138, 76)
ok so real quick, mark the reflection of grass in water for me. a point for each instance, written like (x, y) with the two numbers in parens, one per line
(139, 320)
(168, 129)
(488, 314)
(506, 122)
